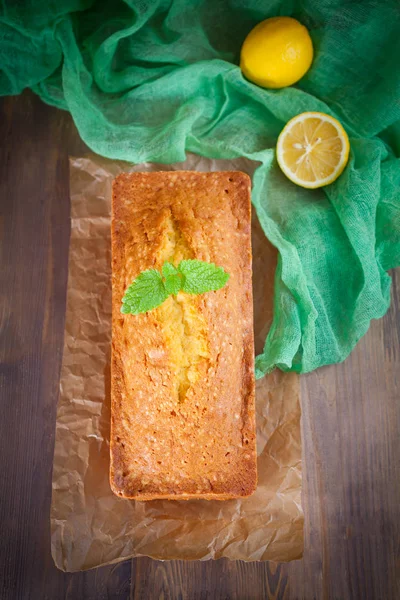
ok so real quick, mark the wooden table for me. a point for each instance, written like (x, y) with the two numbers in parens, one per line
(351, 419)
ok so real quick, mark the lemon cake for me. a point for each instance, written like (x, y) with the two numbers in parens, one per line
(182, 374)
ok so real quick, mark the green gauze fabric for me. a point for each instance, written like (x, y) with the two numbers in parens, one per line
(146, 80)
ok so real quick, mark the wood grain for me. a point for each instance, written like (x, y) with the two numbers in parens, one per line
(351, 419)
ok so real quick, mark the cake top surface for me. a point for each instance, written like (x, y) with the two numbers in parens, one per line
(183, 373)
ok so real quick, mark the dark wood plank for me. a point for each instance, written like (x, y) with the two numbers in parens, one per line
(212, 580)
(34, 209)
(351, 419)
(34, 214)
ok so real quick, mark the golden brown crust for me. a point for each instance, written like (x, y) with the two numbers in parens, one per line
(183, 415)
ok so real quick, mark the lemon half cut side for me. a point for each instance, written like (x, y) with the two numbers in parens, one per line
(313, 149)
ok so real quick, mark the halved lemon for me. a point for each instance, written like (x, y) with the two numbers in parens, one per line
(313, 149)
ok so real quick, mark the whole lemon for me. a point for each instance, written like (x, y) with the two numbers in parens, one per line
(276, 53)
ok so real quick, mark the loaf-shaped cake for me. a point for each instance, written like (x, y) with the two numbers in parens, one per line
(182, 374)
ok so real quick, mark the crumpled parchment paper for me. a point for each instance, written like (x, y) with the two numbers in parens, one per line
(92, 527)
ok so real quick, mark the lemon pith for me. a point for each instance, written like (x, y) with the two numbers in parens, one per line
(276, 53)
(313, 149)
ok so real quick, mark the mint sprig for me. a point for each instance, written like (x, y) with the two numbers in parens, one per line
(151, 288)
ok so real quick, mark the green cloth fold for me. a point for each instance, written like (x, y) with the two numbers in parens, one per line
(148, 80)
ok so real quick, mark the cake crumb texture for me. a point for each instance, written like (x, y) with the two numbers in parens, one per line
(182, 375)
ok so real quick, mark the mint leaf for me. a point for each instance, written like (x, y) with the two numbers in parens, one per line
(173, 284)
(146, 292)
(200, 277)
(151, 288)
(169, 269)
